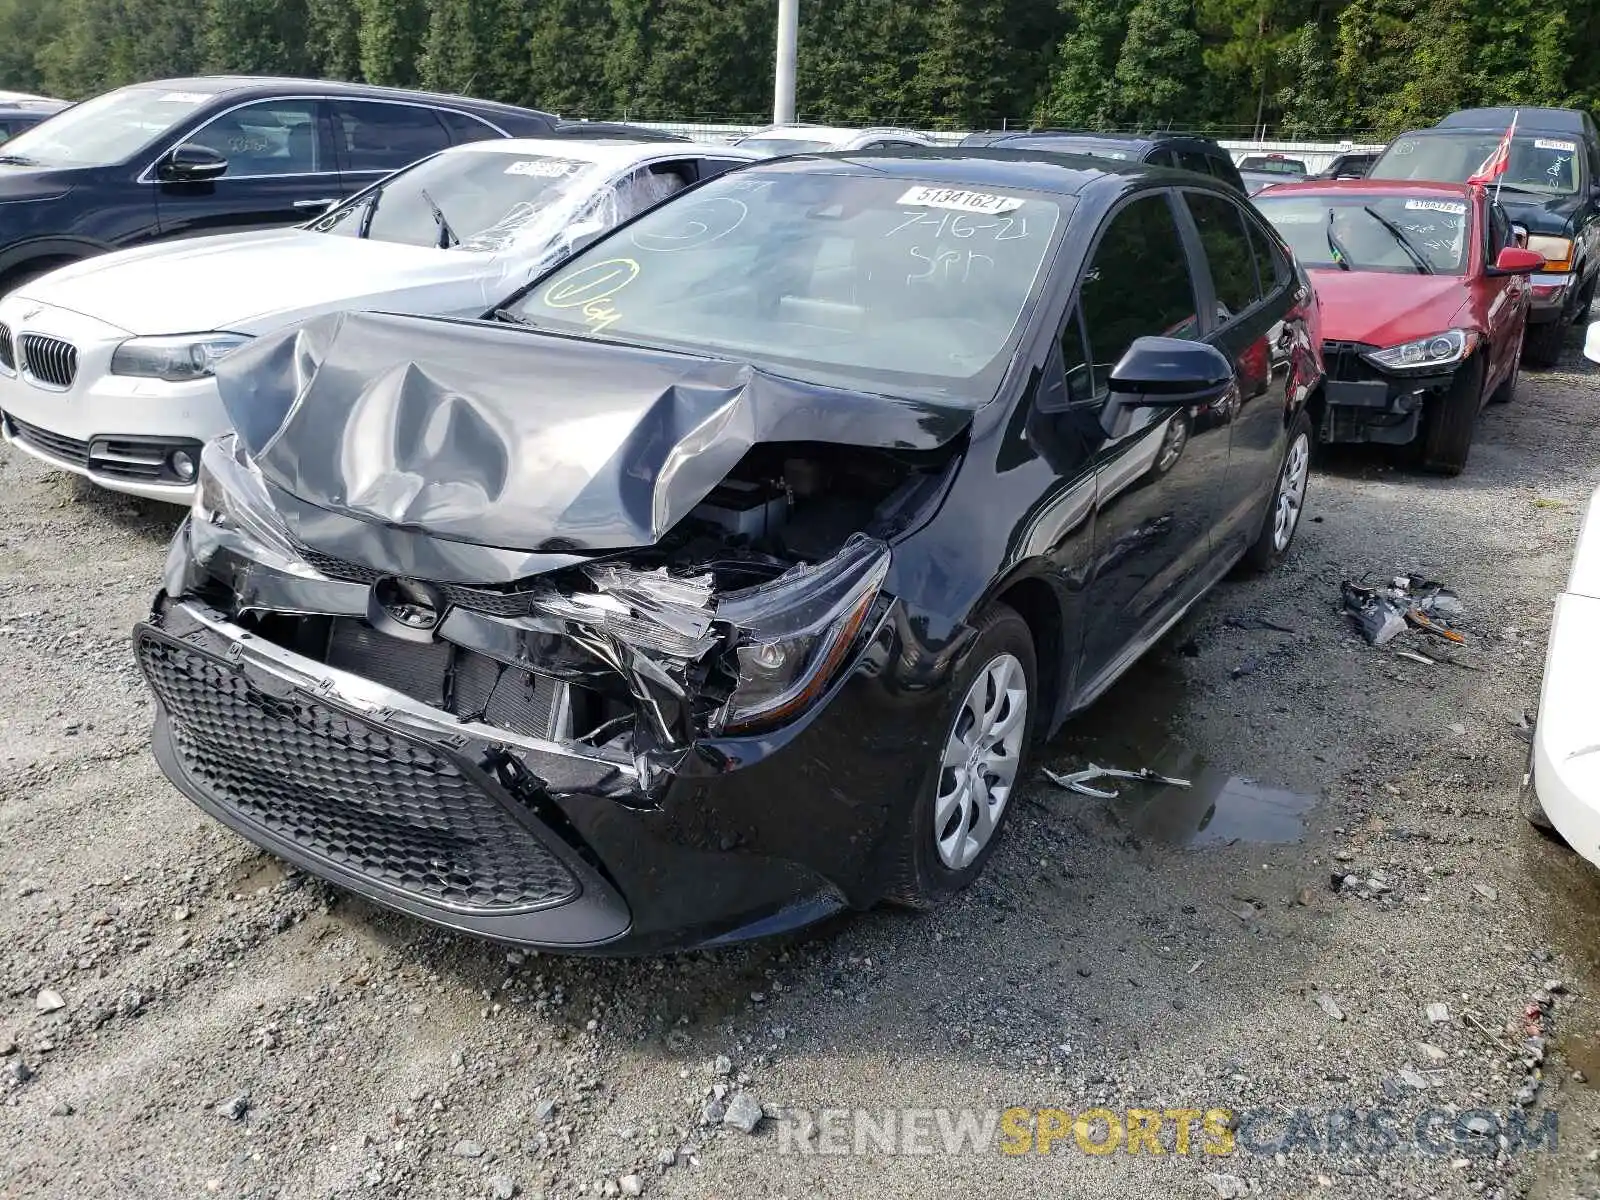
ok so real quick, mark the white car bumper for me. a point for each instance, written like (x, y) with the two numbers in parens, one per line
(1566, 740)
(119, 431)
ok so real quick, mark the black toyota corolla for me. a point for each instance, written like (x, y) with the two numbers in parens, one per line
(722, 579)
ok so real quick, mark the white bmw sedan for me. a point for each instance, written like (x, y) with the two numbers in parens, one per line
(106, 365)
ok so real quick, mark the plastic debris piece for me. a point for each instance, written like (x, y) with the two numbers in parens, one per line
(1382, 613)
(1421, 620)
(1415, 657)
(1078, 781)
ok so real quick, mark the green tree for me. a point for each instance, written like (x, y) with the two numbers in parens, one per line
(256, 37)
(1311, 103)
(859, 61)
(390, 38)
(567, 47)
(1080, 94)
(1160, 68)
(333, 40)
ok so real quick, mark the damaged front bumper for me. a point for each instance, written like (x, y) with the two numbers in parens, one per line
(448, 777)
(1363, 404)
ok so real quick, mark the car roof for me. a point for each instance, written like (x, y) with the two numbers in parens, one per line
(826, 133)
(31, 107)
(973, 166)
(220, 85)
(1376, 187)
(606, 152)
(1546, 120)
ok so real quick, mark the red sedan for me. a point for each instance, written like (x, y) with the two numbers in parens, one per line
(1424, 298)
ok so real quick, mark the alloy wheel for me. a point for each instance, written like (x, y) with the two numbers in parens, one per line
(1291, 492)
(980, 762)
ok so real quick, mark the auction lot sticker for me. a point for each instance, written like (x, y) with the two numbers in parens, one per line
(960, 200)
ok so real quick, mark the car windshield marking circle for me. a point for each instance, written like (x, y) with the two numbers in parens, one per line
(588, 284)
(719, 220)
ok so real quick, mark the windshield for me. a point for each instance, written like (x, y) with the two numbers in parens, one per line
(1273, 166)
(470, 199)
(1371, 233)
(869, 282)
(1549, 165)
(775, 146)
(107, 129)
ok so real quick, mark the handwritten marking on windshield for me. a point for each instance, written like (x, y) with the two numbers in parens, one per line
(590, 289)
(962, 226)
(702, 222)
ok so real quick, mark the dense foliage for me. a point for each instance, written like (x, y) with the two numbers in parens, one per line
(1305, 67)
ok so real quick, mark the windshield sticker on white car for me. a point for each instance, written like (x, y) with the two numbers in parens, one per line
(183, 98)
(959, 200)
(1553, 144)
(541, 168)
(1454, 207)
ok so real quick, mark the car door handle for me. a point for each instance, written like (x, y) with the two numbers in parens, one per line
(319, 205)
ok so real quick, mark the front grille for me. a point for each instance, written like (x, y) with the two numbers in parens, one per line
(8, 352)
(49, 360)
(386, 808)
(478, 599)
(1343, 362)
(56, 445)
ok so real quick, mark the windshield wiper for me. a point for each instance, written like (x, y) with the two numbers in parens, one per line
(1400, 236)
(447, 236)
(513, 318)
(17, 160)
(1340, 254)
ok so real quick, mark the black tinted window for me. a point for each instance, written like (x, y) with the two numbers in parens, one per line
(1193, 160)
(1075, 361)
(1138, 283)
(1233, 263)
(464, 128)
(386, 137)
(1271, 265)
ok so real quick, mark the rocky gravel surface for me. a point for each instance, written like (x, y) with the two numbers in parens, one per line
(181, 1014)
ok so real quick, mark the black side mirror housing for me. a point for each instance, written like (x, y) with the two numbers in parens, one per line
(192, 163)
(1160, 372)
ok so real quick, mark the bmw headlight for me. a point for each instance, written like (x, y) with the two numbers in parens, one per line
(175, 359)
(1426, 354)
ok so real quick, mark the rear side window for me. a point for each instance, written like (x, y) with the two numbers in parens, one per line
(463, 128)
(1137, 285)
(385, 137)
(1228, 251)
(1193, 160)
(1271, 264)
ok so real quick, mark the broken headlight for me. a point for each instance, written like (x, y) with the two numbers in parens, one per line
(796, 630)
(232, 509)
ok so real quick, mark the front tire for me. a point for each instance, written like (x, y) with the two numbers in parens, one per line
(1282, 518)
(1451, 422)
(1541, 345)
(955, 823)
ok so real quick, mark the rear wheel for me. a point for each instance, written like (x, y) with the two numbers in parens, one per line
(1541, 345)
(955, 823)
(1451, 421)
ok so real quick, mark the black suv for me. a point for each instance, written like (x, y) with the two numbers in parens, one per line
(1183, 150)
(1551, 189)
(24, 112)
(214, 155)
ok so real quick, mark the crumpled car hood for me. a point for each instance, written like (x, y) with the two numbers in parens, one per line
(505, 438)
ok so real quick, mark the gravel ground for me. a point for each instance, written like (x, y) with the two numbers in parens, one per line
(228, 1027)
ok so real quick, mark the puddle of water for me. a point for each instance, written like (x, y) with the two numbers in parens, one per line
(1217, 810)
(1131, 727)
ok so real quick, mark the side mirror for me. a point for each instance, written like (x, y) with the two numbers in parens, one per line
(1514, 260)
(1160, 372)
(192, 163)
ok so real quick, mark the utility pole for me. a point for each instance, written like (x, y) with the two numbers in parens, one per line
(788, 52)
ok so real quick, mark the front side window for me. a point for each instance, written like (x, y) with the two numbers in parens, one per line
(1137, 285)
(1345, 231)
(876, 283)
(375, 136)
(1227, 247)
(475, 199)
(274, 137)
(1542, 165)
(108, 129)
